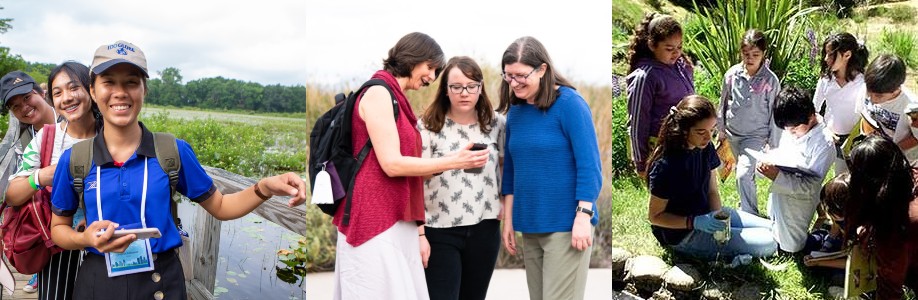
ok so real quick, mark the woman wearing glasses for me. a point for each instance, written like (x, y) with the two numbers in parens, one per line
(551, 172)
(377, 250)
(462, 206)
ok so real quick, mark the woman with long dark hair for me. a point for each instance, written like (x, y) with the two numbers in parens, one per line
(882, 213)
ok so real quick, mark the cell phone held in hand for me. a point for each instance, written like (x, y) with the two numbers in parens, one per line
(476, 147)
(142, 233)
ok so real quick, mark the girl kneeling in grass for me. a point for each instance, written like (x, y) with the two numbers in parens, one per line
(683, 190)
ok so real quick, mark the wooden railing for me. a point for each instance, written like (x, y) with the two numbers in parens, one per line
(206, 239)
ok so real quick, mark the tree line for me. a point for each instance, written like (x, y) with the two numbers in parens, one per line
(224, 93)
(210, 93)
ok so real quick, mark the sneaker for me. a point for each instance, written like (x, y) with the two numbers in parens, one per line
(32, 286)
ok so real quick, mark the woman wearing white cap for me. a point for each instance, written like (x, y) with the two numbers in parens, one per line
(126, 187)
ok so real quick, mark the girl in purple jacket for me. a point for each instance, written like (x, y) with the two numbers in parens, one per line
(660, 77)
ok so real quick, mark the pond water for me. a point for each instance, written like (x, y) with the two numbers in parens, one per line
(247, 263)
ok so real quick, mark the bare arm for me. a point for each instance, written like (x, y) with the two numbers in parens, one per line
(907, 143)
(376, 110)
(713, 193)
(65, 237)
(235, 205)
(19, 190)
(657, 215)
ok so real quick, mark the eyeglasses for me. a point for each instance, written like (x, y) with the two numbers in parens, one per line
(518, 78)
(473, 88)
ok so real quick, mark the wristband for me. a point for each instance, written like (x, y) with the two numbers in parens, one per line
(259, 194)
(32, 182)
(37, 181)
(421, 234)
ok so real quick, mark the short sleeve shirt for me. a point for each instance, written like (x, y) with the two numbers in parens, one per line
(683, 179)
(122, 188)
(455, 197)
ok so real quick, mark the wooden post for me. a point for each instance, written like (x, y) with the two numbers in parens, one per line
(206, 243)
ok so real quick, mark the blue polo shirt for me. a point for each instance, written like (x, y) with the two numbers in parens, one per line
(122, 188)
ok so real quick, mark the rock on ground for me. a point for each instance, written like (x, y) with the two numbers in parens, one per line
(682, 277)
(646, 272)
(619, 257)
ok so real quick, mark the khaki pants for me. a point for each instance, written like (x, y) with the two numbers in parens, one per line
(554, 269)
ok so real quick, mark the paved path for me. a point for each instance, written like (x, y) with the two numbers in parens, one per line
(506, 284)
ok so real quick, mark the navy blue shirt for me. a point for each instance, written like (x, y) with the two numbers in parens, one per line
(122, 188)
(683, 178)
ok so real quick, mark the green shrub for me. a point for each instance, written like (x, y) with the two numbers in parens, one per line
(901, 14)
(249, 150)
(902, 43)
(717, 44)
(802, 73)
(621, 163)
(708, 86)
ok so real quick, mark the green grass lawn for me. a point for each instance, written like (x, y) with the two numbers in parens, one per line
(631, 231)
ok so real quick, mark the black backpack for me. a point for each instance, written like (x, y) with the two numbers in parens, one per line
(330, 142)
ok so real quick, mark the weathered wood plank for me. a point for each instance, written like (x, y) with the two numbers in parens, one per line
(197, 291)
(21, 280)
(206, 243)
(274, 210)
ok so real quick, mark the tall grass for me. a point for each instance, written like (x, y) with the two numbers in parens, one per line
(321, 234)
(902, 43)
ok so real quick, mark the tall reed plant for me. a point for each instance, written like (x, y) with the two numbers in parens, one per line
(715, 38)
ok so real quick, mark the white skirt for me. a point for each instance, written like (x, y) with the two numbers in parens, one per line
(388, 266)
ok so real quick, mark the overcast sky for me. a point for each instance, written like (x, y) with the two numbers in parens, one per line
(349, 39)
(262, 41)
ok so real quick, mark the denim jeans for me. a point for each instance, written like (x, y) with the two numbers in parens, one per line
(749, 234)
(462, 260)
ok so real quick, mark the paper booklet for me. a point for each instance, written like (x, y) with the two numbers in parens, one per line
(785, 163)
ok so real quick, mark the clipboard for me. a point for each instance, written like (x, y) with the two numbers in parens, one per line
(783, 165)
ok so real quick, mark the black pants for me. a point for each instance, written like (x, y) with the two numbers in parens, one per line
(462, 260)
(56, 280)
(166, 279)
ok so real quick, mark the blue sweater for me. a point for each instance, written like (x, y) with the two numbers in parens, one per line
(551, 162)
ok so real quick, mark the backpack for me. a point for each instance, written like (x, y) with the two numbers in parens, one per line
(331, 148)
(167, 154)
(26, 229)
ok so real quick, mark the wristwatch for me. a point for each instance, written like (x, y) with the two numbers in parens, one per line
(587, 211)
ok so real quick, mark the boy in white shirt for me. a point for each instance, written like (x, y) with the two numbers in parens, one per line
(793, 197)
(887, 103)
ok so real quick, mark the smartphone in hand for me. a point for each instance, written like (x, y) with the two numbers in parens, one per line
(142, 233)
(476, 147)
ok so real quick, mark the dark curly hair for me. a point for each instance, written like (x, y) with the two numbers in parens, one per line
(654, 28)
